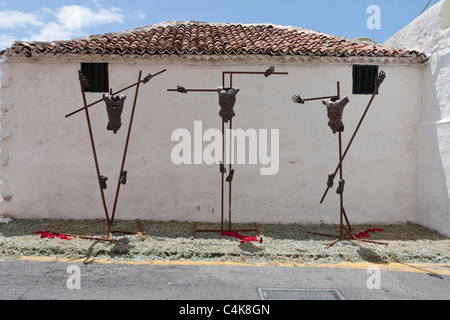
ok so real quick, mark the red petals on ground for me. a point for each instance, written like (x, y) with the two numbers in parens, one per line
(52, 235)
(365, 234)
(243, 239)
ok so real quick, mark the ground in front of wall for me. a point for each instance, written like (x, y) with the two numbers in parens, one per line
(171, 241)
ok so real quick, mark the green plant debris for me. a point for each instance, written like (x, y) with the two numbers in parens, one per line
(171, 241)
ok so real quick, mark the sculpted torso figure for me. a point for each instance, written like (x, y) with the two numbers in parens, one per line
(114, 108)
(335, 110)
(227, 99)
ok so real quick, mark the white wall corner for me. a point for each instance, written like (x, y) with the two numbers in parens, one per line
(5, 134)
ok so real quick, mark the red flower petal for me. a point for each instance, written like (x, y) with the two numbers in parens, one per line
(52, 235)
(243, 239)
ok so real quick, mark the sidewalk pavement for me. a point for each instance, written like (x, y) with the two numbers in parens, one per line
(47, 278)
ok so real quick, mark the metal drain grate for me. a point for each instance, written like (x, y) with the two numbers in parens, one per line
(300, 294)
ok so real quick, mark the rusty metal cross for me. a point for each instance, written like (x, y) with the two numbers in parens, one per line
(227, 98)
(345, 230)
(123, 174)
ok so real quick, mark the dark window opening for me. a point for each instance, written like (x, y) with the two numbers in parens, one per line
(97, 76)
(364, 79)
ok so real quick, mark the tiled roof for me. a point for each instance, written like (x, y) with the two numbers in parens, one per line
(194, 38)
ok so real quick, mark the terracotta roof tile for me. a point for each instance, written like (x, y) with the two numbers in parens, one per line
(212, 39)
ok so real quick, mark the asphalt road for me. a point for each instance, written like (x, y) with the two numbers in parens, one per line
(28, 279)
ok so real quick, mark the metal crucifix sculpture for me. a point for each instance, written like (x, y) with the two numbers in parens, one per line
(227, 99)
(335, 107)
(114, 107)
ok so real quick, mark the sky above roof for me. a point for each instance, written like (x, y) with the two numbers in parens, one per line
(63, 20)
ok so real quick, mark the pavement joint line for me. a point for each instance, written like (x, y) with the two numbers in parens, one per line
(427, 268)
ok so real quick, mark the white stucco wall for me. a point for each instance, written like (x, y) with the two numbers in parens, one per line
(50, 172)
(429, 33)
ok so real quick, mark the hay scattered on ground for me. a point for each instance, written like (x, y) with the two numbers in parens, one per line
(171, 241)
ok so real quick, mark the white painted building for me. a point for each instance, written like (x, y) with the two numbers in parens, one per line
(47, 161)
(429, 33)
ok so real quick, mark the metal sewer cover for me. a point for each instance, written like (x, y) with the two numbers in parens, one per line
(300, 294)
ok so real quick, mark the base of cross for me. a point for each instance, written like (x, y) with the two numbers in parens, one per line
(256, 229)
(110, 236)
(348, 235)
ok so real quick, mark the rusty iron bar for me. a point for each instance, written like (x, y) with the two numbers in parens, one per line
(352, 237)
(194, 90)
(256, 229)
(91, 238)
(335, 241)
(194, 230)
(230, 182)
(327, 97)
(320, 98)
(252, 72)
(380, 79)
(142, 227)
(132, 232)
(115, 93)
(346, 219)
(110, 239)
(348, 236)
(91, 135)
(126, 148)
(223, 173)
(341, 196)
(217, 230)
(125, 232)
(223, 79)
